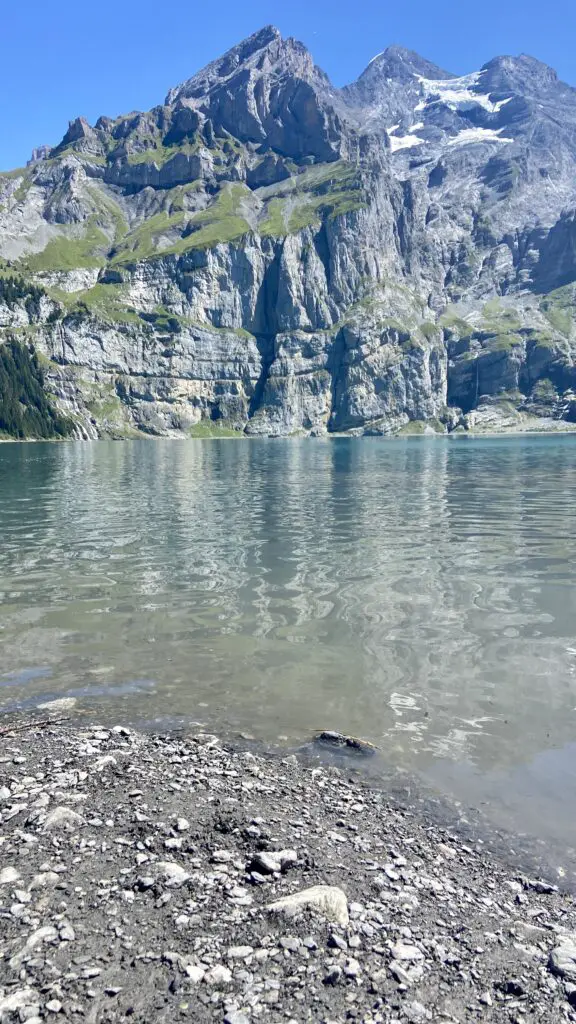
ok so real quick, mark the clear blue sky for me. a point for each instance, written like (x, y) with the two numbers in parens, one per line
(64, 58)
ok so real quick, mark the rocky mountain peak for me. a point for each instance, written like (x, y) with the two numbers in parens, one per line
(396, 63)
(272, 252)
(39, 153)
(523, 74)
(267, 91)
(77, 129)
(264, 52)
(390, 85)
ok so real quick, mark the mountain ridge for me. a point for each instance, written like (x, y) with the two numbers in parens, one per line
(270, 34)
(266, 253)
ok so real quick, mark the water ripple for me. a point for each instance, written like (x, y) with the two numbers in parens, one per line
(397, 590)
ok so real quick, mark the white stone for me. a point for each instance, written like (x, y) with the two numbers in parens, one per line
(352, 968)
(62, 704)
(222, 856)
(9, 874)
(218, 975)
(30, 1013)
(404, 973)
(71, 281)
(22, 997)
(563, 957)
(45, 934)
(402, 951)
(172, 874)
(239, 952)
(104, 762)
(268, 862)
(63, 817)
(44, 878)
(195, 973)
(327, 900)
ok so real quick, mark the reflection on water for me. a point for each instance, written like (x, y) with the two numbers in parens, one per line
(419, 593)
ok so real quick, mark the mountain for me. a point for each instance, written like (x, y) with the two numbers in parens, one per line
(264, 253)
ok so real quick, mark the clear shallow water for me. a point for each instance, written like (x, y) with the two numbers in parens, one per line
(419, 593)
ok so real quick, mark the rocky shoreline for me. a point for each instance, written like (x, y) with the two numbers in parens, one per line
(544, 427)
(169, 878)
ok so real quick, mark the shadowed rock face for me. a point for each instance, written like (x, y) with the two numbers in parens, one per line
(266, 253)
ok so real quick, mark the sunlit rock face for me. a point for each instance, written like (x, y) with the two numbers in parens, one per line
(267, 254)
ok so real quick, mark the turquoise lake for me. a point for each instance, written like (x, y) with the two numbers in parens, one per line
(420, 593)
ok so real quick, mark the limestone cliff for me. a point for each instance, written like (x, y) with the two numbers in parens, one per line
(267, 254)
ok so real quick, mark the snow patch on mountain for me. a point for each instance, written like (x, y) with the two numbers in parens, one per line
(404, 142)
(457, 93)
(478, 135)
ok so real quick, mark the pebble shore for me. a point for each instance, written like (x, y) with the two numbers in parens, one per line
(167, 878)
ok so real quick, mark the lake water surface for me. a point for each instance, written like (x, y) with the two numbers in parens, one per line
(419, 593)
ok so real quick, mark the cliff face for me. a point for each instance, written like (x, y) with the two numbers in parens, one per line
(266, 254)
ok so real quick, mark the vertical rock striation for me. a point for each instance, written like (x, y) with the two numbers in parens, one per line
(267, 254)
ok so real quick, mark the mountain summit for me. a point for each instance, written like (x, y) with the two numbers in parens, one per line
(265, 253)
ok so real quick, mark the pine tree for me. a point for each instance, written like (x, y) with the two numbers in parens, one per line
(25, 410)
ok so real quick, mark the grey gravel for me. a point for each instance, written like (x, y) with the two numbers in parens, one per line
(386, 916)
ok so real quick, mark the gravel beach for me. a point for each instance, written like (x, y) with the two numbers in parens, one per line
(166, 878)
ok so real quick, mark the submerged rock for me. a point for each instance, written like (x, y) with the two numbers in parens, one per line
(345, 744)
(58, 704)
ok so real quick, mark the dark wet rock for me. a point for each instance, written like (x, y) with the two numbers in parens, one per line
(511, 987)
(334, 976)
(344, 744)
